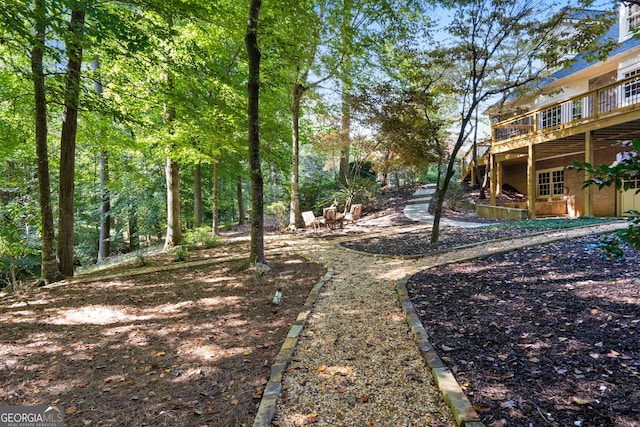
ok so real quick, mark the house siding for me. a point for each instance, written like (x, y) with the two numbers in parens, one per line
(604, 201)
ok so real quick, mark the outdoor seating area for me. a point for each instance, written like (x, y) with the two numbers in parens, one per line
(331, 218)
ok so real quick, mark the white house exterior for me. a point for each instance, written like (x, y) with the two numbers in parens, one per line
(589, 111)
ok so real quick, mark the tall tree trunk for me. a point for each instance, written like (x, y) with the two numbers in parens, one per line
(104, 245)
(174, 232)
(197, 196)
(68, 143)
(104, 242)
(441, 193)
(345, 137)
(215, 228)
(240, 200)
(295, 215)
(49, 272)
(172, 172)
(256, 252)
(134, 233)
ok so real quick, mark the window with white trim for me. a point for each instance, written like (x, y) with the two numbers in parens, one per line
(633, 184)
(551, 183)
(633, 16)
(576, 109)
(632, 88)
(550, 117)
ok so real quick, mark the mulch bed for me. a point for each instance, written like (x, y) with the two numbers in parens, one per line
(189, 346)
(412, 243)
(547, 335)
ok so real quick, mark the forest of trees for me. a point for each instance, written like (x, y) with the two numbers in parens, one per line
(128, 123)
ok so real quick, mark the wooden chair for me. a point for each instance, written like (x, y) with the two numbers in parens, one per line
(354, 213)
(310, 220)
(329, 217)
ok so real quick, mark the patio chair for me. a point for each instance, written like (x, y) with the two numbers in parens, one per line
(310, 220)
(354, 213)
(329, 217)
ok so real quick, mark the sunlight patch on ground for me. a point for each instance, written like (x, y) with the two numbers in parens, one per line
(626, 291)
(217, 301)
(23, 316)
(211, 352)
(105, 315)
(96, 315)
(20, 304)
(397, 273)
(220, 280)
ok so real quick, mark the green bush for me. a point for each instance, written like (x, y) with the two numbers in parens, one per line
(280, 211)
(19, 246)
(180, 253)
(621, 175)
(362, 190)
(315, 191)
(200, 237)
(455, 194)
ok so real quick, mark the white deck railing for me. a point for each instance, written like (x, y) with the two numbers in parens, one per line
(589, 107)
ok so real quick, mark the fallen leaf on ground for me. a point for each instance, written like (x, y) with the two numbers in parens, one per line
(581, 401)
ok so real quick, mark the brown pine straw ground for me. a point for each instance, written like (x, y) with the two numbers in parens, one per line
(189, 346)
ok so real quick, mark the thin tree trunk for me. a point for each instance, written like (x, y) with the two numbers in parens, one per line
(486, 180)
(295, 215)
(197, 196)
(68, 143)
(104, 241)
(49, 272)
(172, 173)
(216, 198)
(240, 200)
(440, 195)
(104, 245)
(256, 253)
(134, 234)
(174, 232)
(345, 137)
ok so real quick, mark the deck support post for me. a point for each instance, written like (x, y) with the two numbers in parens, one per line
(531, 182)
(493, 181)
(588, 158)
(498, 165)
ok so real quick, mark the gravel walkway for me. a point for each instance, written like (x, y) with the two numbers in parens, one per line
(356, 362)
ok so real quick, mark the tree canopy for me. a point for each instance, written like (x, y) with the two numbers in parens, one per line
(127, 123)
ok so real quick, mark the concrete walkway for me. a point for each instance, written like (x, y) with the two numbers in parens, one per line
(418, 209)
(355, 356)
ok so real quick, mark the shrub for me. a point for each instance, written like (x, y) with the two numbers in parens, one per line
(18, 247)
(180, 253)
(455, 194)
(280, 211)
(315, 191)
(621, 175)
(362, 190)
(201, 237)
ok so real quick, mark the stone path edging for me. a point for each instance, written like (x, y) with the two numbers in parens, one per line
(453, 394)
(477, 244)
(267, 408)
